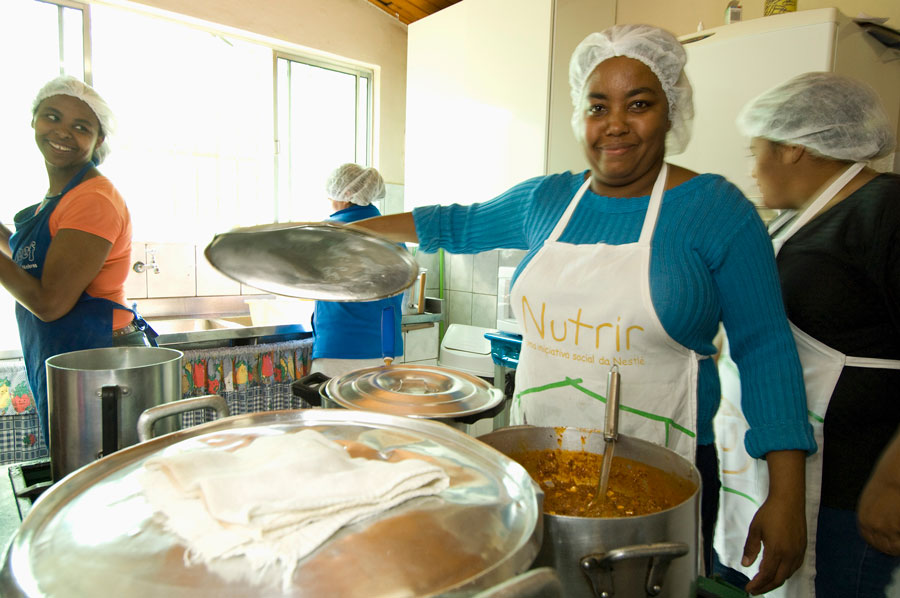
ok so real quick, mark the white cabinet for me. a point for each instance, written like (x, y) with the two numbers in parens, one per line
(488, 101)
(420, 345)
(729, 66)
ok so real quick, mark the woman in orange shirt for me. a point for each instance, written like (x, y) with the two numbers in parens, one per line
(67, 262)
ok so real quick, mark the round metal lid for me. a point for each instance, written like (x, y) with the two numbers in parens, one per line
(415, 391)
(318, 261)
(93, 533)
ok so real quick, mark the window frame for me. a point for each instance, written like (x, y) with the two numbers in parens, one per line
(85, 33)
(356, 71)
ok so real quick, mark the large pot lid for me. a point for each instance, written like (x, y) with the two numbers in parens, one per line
(94, 532)
(319, 261)
(414, 390)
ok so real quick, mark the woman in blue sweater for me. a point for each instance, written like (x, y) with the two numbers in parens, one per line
(636, 262)
(348, 335)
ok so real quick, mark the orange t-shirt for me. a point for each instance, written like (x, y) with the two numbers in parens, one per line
(96, 207)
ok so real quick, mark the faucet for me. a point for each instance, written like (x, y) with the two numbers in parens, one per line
(140, 267)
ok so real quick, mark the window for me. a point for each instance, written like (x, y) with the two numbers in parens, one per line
(48, 41)
(322, 123)
(195, 152)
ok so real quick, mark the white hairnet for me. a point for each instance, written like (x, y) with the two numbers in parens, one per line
(70, 86)
(656, 48)
(353, 183)
(835, 116)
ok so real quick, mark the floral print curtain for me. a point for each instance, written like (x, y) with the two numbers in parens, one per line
(19, 427)
(250, 378)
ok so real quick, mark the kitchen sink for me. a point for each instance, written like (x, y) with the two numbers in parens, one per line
(178, 325)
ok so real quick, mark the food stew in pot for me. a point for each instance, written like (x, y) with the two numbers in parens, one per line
(569, 480)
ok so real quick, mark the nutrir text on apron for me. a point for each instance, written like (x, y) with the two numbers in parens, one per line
(88, 325)
(583, 308)
(745, 481)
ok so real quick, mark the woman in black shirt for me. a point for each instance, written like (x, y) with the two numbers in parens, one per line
(838, 256)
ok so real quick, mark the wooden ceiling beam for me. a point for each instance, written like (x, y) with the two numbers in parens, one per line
(409, 11)
(402, 10)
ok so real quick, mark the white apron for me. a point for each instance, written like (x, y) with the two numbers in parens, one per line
(745, 481)
(583, 308)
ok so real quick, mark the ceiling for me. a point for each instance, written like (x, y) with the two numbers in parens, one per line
(408, 11)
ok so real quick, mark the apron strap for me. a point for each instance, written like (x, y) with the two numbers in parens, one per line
(649, 219)
(564, 219)
(654, 206)
(872, 362)
(817, 205)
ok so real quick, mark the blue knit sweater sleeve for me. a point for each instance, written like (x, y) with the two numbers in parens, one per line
(711, 262)
(496, 224)
(773, 396)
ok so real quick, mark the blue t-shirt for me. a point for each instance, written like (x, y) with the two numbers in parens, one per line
(711, 262)
(352, 330)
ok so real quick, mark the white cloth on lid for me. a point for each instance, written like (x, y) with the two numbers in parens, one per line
(277, 499)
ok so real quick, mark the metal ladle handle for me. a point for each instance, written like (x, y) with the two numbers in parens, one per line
(611, 426)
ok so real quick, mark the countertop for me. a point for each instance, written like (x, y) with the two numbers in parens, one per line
(209, 322)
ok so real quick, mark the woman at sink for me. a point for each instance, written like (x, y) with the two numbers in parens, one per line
(67, 261)
(348, 335)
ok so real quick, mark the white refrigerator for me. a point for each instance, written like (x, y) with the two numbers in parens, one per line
(732, 64)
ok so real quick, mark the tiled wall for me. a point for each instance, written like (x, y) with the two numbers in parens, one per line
(470, 284)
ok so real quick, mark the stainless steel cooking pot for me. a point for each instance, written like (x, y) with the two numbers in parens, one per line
(627, 557)
(97, 395)
(419, 391)
(94, 533)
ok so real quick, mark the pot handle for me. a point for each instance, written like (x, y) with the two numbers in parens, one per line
(309, 386)
(109, 419)
(488, 414)
(598, 567)
(154, 414)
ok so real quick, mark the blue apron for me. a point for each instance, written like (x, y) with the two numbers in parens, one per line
(88, 325)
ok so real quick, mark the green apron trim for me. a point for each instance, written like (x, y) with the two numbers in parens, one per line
(741, 494)
(576, 384)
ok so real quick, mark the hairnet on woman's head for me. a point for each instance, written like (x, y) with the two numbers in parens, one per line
(70, 86)
(353, 183)
(656, 48)
(835, 116)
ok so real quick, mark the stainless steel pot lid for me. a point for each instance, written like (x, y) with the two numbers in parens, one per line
(319, 261)
(94, 533)
(415, 391)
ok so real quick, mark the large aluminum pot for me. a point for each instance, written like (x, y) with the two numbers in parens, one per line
(432, 392)
(628, 557)
(97, 395)
(95, 533)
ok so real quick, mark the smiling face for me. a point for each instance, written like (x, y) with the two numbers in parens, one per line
(66, 131)
(625, 126)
